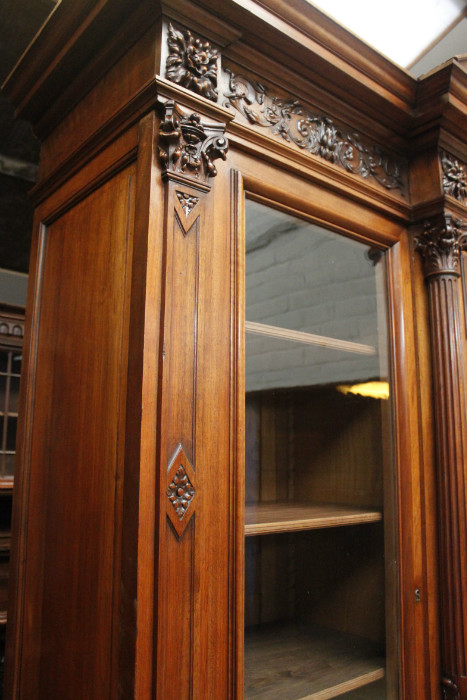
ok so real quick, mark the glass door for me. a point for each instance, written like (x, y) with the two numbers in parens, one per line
(320, 609)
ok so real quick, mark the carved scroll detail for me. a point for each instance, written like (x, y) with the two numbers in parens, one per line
(192, 63)
(188, 145)
(440, 246)
(314, 133)
(454, 177)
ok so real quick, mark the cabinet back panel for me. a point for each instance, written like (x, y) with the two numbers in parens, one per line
(76, 454)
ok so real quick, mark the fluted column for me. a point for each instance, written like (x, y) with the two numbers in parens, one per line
(440, 245)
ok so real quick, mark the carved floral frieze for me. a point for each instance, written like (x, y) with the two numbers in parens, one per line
(189, 146)
(314, 133)
(192, 63)
(440, 245)
(454, 177)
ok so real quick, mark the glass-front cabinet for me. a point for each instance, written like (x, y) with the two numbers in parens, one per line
(320, 610)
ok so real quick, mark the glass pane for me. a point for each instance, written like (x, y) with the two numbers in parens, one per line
(11, 433)
(16, 363)
(3, 360)
(9, 465)
(14, 393)
(318, 465)
(3, 380)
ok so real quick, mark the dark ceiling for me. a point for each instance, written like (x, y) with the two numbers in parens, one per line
(19, 22)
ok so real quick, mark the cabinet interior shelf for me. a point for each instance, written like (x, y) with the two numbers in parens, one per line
(268, 518)
(308, 338)
(306, 663)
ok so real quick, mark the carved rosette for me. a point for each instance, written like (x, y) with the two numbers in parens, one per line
(192, 63)
(311, 132)
(189, 146)
(440, 246)
(180, 491)
(454, 177)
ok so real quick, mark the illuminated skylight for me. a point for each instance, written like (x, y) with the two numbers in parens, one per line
(400, 29)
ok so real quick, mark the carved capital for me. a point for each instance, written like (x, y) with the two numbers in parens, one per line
(188, 146)
(454, 177)
(440, 246)
(192, 63)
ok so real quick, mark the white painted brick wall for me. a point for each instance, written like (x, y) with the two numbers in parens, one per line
(301, 277)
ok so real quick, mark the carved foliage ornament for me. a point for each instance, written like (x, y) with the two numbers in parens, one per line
(187, 201)
(454, 177)
(192, 63)
(314, 133)
(188, 145)
(440, 246)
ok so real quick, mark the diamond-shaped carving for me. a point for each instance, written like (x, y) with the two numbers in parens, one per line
(187, 201)
(180, 492)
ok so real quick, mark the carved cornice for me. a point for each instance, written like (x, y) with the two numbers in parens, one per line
(188, 146)
(192, 63)
(454, 177)
(312, 132)
(440, 245)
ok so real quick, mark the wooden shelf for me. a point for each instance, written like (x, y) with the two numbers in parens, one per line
(268, 518)
(300, 663)
(309, 338)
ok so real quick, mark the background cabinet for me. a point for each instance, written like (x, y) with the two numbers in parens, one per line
(11, 341)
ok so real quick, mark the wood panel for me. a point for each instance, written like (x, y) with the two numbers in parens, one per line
(193, 556)
(76, 450)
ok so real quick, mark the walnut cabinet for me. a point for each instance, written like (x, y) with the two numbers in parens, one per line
(241, 444)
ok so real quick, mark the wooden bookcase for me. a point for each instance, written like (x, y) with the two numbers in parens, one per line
(165, 501)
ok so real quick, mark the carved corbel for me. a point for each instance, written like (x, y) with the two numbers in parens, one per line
(440, 245)
(188, 146)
